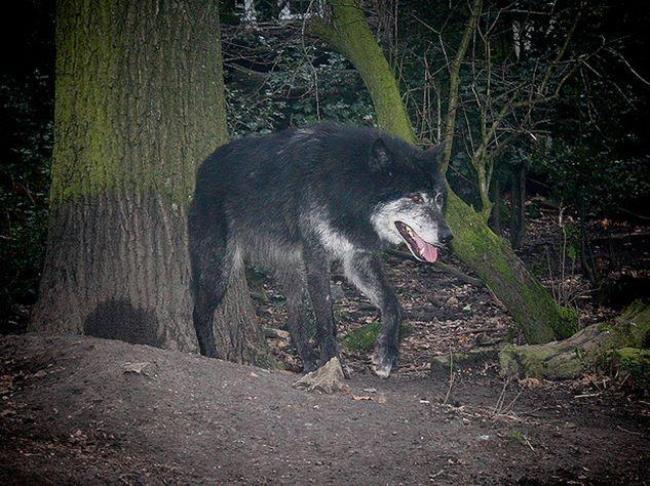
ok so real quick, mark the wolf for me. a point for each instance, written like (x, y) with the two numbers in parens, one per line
(296, 201)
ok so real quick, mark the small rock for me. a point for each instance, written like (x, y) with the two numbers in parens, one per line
(136, 368)
(326, 379)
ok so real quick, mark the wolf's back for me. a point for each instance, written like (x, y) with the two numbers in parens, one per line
(278, 176)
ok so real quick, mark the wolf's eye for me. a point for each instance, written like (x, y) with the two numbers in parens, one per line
(439, 200)
(417, 198)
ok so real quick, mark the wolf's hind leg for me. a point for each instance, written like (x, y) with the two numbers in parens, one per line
(212, 263)
(295, 289)
(364, 270)
(318, 285)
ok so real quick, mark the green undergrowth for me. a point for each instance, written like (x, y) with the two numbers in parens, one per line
(635, 362)
(364, 338)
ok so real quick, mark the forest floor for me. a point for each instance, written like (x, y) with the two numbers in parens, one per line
(78, 410)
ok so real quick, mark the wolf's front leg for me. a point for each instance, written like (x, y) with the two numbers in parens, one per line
(364, 270)
(318, 284)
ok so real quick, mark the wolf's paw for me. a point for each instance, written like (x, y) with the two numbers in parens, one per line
(383, 361)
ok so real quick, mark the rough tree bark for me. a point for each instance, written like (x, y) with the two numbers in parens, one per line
(491, 257)
(139, 103)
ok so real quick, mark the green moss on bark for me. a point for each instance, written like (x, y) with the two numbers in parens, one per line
(139, 104)
(599, 345)
(541, 361)
(557, 359)
(636, 324)
(118, 101)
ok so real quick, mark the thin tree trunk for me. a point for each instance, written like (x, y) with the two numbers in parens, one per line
(454, 81)
(351, 36)
(495, 215)
(491, 257)
(587, 261)
(518, 222)
(139, 103)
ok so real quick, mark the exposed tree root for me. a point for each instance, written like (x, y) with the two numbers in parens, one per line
(554, 360)
(625, 344)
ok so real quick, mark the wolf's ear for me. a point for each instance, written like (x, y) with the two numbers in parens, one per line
(433, 156)
(380, 156)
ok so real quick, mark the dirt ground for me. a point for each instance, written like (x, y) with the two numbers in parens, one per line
(77, 410)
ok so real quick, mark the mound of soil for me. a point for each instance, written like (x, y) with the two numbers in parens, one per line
(78, 410)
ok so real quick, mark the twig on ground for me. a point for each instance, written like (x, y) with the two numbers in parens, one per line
(628, 431)
(451, 377)
(499, 408)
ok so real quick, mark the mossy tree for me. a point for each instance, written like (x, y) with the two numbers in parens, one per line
(491, 257)
(139, 103)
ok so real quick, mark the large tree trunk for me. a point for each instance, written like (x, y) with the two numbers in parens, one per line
(139, 103)
(490, 256)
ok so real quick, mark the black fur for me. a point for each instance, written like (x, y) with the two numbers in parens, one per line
(293, 202)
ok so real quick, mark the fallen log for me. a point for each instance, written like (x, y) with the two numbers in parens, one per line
(624, 343)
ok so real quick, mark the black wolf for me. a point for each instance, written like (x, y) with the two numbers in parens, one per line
(297, 200)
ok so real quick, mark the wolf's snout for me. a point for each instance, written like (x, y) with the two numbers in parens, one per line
(444, 235)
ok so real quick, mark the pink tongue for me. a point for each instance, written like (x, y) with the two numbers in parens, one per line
(427, 250)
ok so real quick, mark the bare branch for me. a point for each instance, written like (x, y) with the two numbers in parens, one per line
(629, 66)
(454, 81)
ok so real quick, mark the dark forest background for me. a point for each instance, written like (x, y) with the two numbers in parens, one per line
(585, 155)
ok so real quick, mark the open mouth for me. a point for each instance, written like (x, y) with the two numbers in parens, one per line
(421, 250)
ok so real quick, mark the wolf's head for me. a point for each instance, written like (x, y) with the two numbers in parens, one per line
(413, 199)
